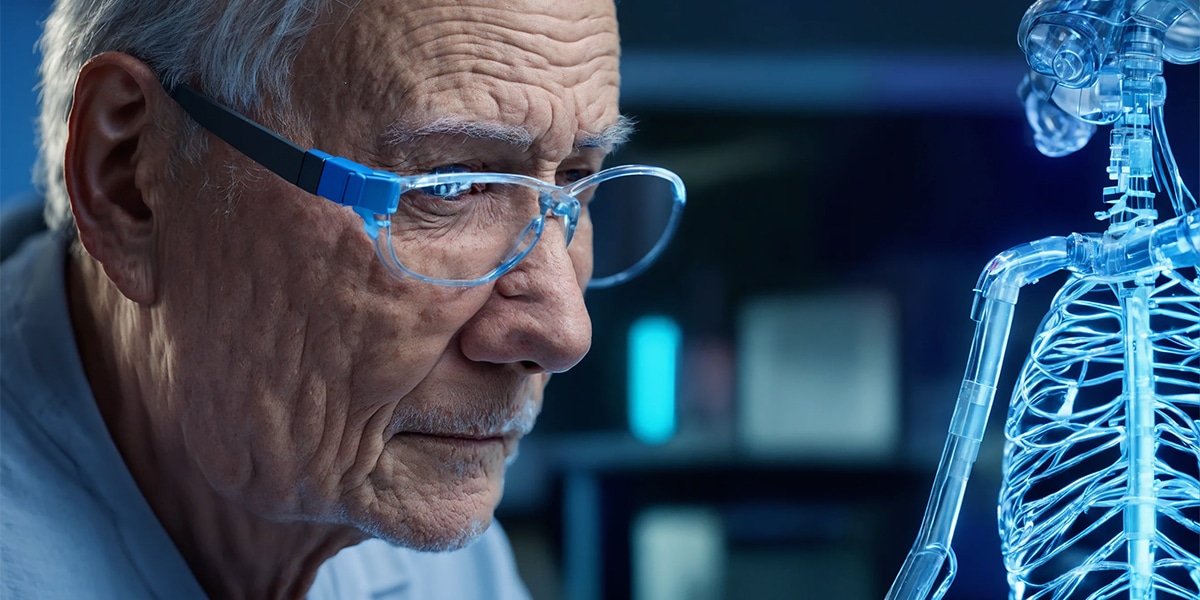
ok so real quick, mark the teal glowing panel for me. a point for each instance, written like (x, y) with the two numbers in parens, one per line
(653, 355)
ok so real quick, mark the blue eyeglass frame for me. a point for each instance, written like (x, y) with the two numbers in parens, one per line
(375, 195)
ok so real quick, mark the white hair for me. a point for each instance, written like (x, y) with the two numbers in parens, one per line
(238, 51)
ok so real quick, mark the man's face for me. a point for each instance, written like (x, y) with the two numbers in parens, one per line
(312, 385)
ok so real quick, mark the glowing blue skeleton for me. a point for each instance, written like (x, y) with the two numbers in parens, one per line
(1101, 496)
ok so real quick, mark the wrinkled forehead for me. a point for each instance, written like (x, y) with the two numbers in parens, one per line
(547, 66)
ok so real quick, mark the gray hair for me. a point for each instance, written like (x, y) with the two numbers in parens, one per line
(239, 51)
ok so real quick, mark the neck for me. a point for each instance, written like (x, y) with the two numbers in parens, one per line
(233, 552)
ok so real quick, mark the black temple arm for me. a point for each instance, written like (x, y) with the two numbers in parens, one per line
(258, 143)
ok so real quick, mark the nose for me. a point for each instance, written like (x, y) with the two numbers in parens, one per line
(536, 319)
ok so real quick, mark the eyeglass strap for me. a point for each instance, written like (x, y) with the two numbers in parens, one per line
(259, 144)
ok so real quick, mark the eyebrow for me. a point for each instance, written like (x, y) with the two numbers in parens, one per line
(398, 134)
(611, 138)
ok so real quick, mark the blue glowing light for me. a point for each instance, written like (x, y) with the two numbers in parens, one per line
(653, 354)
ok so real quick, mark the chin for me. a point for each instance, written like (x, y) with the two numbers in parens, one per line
(435, 518)
(443, 526)
(430, 493)
(432, 539)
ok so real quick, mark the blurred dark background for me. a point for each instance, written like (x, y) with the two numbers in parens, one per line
(851, 167)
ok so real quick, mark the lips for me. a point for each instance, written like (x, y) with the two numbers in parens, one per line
(462, 447)
(464, 436)
(465, 439)
(475, 430)
(469, 423)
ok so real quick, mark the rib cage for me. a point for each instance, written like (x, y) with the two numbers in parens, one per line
(1065, 483)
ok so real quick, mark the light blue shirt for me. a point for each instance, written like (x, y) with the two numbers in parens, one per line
(73, 523)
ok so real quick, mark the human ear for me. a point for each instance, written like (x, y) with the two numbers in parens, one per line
(108, 147)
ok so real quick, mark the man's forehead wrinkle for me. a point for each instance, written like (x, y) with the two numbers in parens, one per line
(505, 54)
(471, 18)
(415, 68)
(536, 37)
(571, 26)
(419, 37)
(509, 110)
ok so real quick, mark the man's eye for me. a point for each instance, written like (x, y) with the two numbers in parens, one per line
(569, 176)
(451, 191)
(448, 191)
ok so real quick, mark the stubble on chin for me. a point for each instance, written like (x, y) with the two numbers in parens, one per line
(428, 496)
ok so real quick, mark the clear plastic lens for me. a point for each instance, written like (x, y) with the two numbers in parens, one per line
(460, 231)
(628, 218)
(468, 228)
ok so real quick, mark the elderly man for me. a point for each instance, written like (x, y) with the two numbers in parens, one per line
(237, 368)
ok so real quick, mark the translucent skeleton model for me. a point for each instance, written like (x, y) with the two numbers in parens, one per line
(1100, 496)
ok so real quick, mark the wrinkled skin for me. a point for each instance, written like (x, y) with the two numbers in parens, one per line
(277, 394)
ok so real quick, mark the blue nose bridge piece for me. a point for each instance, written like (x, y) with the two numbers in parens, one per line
(563, 206)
